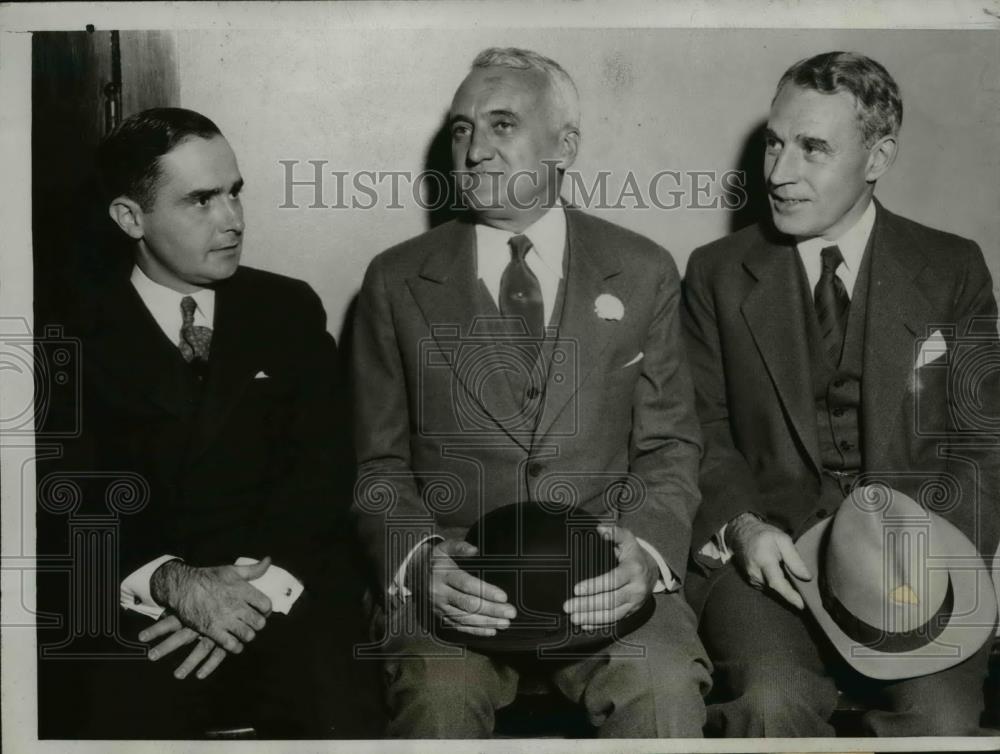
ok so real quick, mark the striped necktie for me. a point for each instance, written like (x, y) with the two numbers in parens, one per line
(832, 304)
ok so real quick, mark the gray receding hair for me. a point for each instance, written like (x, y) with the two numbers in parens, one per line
(565, 98)
(876, 95)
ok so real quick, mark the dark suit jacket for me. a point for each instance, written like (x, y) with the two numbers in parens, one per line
(250, 470)
(925, 430)
(437, 426)
(261, 466)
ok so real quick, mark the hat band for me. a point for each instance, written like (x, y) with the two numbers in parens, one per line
(879, 638)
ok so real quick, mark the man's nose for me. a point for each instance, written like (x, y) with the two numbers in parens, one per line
(781, 168)
(232, 220)
(480, 148)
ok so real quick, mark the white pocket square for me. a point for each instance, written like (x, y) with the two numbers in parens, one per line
(635, 360)
(932, 349)
(262, 375)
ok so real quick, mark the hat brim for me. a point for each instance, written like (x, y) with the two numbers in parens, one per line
(559, 637)
(973, 620)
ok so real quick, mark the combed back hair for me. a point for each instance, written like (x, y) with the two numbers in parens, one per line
(128, 159)
(876, 95)
(565, 98)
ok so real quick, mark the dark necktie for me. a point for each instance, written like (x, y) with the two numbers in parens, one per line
(832, 304)
(195, 339)
(520, 293)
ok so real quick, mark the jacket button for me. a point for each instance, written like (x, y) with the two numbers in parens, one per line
(533, 392)
(535, 469)
(821, 513)
(839, 383)
(845, 445)
(838, 412)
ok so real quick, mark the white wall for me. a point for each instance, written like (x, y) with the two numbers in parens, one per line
(652, 100)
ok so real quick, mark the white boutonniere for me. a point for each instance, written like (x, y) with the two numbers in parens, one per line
(607, 306)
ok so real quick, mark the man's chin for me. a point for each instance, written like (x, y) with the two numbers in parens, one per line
(225, 264)
(482, 202)
(791, 226)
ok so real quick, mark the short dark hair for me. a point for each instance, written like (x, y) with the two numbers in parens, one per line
(128, 159)
(876, 95)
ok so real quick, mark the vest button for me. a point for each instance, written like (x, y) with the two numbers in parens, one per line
(838, 412)
(845, 445)
(839, 383)
(534, 469)
(533, 392)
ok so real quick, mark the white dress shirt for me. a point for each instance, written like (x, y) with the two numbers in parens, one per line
(545, 260)
(852, 244)
(165, 305)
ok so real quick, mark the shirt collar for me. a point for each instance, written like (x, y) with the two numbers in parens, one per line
(547, 235)
(165, 303)
(851, 243)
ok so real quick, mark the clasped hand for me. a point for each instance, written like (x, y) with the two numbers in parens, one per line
(216, 606)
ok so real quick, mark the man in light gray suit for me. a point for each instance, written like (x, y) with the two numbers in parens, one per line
(604, 403)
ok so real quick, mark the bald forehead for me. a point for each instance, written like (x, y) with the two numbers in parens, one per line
(499, 82)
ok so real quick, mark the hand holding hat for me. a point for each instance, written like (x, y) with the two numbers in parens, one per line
(568, 580)
(763, 553)
(457, 598)
(606, 599)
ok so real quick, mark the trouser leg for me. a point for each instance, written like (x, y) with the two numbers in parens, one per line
(434, 690)
(649, 684)
(771, 674)
(947, 703)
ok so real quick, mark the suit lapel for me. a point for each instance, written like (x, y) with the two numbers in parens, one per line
(896, 315)
(237, 332)
(589, 273)
(775, 314)
(132, 356)
(446, 290)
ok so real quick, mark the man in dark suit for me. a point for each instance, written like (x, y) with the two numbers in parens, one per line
(523, 351)
(213, 388)
(844, 345)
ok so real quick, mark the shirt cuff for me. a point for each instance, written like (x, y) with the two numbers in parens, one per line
(135, 592)
(716, 547)
(277, 584)
(397, 587)
(667, 582)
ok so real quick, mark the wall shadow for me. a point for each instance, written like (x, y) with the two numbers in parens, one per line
(441, 197)
(751, 165)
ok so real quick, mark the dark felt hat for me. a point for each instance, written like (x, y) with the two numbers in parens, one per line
(898, 589)
(537, 553)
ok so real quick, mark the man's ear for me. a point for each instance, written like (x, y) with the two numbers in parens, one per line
(127, 215)
(881, 155)
(569, 145)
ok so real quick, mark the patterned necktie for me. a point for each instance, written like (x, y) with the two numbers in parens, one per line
(832, 304)
(195, 339)
(520, 293)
